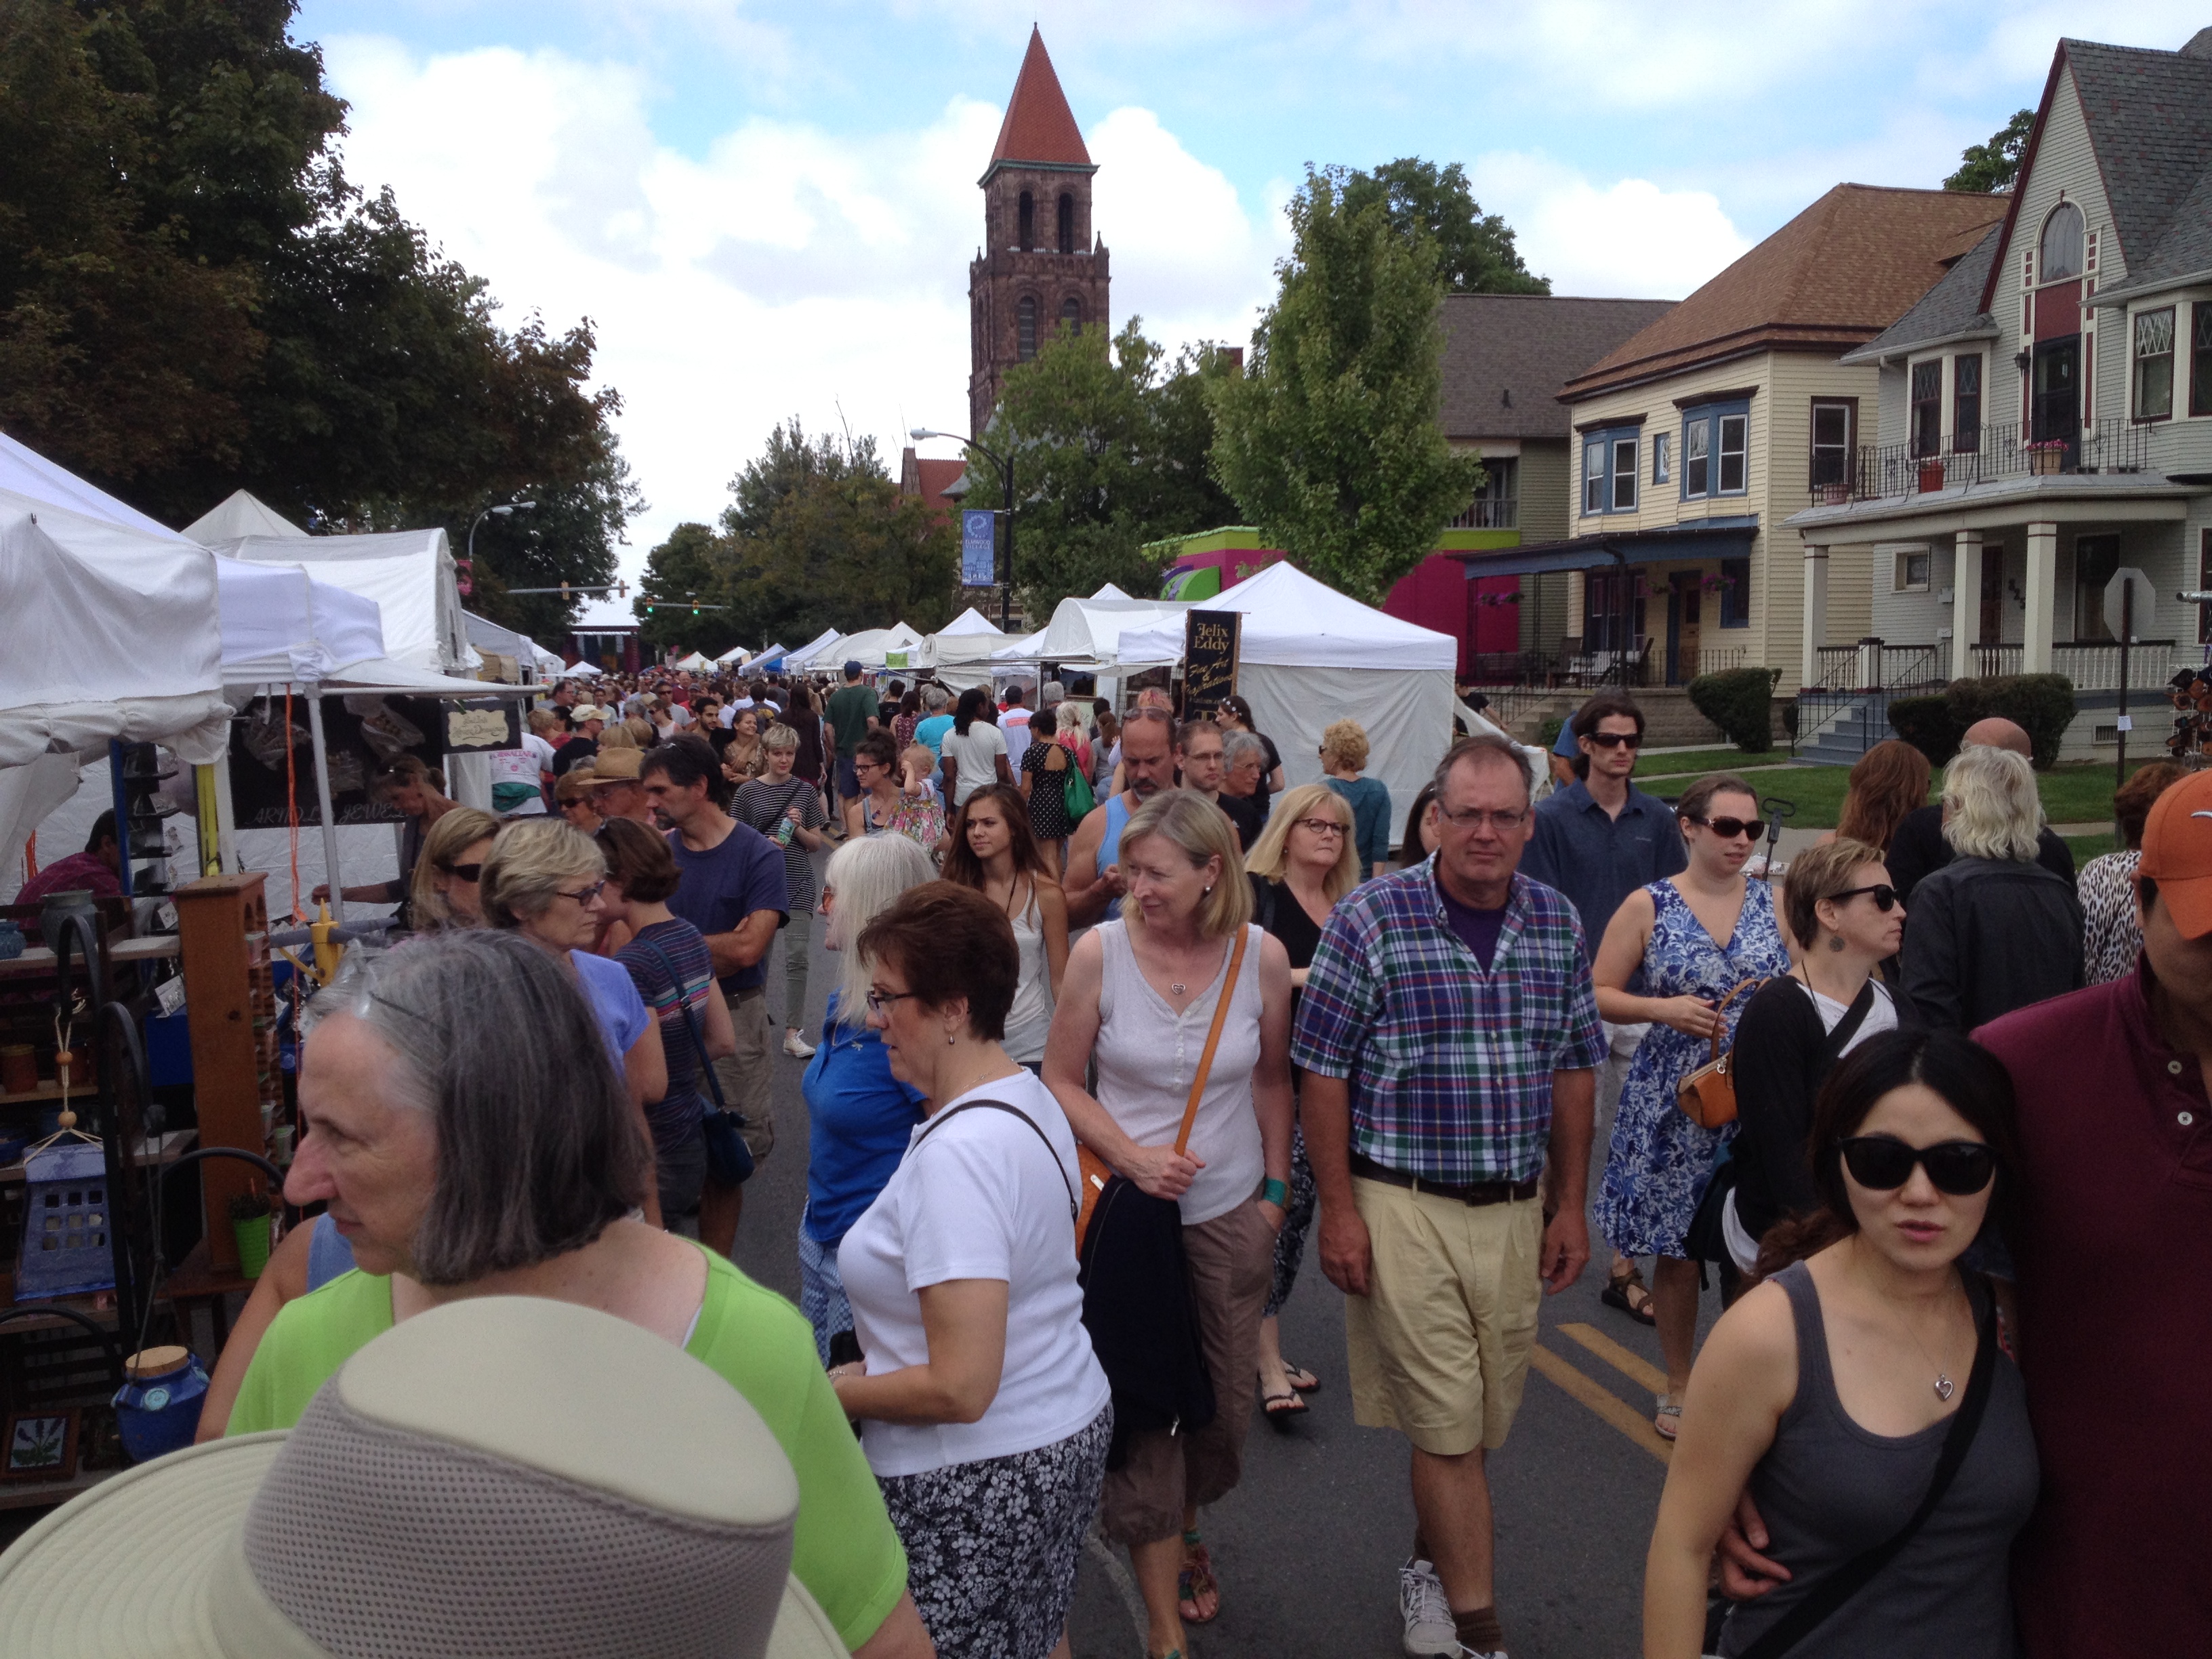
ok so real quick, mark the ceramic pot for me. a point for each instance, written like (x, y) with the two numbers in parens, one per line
(158, 1407)
(75, 901)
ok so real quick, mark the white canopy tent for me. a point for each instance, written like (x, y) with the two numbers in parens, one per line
(873, 648)
(409, 573)
(763, 661)
(280, 623)
(578, 670)
(736, 653)
(532, 659)
(240, 514)
(1088, 634)
(692, 663)
(960, 650)
(821, 645)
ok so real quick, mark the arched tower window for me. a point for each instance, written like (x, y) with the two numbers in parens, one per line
(1026, 323)
(1066, 222)
(1070, 311)
(1025, 223)
(2061, 257)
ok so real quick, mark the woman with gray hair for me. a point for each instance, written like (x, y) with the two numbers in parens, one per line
(466, 1129)
(1992, 930)
(1244, 785)
(859, 1117)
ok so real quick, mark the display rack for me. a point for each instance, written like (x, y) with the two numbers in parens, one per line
(230, 990)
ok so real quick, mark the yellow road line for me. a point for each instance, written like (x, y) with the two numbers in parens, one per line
(1633, 1366)
(1600, 1400)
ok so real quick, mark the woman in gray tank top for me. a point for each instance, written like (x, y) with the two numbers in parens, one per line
(1830, 1391)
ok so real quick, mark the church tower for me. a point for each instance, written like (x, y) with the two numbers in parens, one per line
(1041, 263)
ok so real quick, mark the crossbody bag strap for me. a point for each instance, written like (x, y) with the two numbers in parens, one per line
(1074, 1210)
(1838, 1586)
(690, 1023)
(1212, 1041)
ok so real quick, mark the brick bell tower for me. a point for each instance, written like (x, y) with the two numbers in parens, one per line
(1041, 263)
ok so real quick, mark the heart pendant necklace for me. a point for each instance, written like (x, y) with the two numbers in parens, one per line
(1945, 1387)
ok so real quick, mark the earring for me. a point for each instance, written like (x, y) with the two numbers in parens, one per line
(1835, 941)
(1208, 893)
(950, 1039)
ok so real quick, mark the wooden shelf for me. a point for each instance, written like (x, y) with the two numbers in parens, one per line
(154, 947)
(161, 1149)
(41, 1494)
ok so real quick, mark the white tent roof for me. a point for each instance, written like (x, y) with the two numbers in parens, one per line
(1021, 647)
(816, 646)
(970, 621)
(280, 623)
(735, 654)
(692, 662)
(487, 635)
(409, 573)
(763, 658)
(1294, 622)
(239, 513)
(1093, 630)
(871, 647)
(1111, 592)
(27, 473)
(578, 670)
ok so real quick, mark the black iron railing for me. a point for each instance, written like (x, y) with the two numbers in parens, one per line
(1883, 471)
(1490, 513)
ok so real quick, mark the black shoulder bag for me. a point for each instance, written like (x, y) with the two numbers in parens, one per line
(729, 1160)
(1830, 1593)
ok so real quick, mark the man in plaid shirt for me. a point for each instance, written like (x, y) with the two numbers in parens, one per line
(1450, 1037)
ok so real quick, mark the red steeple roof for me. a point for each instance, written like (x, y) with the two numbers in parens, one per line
(1039, 125)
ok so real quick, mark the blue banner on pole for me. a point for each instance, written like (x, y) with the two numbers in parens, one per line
(979, 547)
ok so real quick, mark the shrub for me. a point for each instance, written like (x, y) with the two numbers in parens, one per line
(1740, 703)
(2042, 705)
(1926, 724)
(1548, 733)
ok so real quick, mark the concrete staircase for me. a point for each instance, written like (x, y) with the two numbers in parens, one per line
(1846, 731)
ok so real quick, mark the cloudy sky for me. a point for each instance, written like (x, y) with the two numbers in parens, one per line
(768, 209)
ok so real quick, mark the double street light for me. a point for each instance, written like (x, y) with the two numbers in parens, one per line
(1006, 465)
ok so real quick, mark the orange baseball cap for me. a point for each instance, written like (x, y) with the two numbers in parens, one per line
(2176, 852)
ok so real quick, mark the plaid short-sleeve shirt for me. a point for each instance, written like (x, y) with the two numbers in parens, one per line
(1450, 1064)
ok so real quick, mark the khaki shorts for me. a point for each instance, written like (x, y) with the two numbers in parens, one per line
(1439, 1350)
(748, 1077)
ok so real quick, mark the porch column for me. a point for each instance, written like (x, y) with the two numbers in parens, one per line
(2042, 598)
(1816, 615)
(1965, 603)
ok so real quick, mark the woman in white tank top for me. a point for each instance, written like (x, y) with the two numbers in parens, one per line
(994, 852)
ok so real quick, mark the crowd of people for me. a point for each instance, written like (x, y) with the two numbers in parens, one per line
(1123, 1022)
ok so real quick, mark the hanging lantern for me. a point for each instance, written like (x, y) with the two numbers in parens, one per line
(66, 1216)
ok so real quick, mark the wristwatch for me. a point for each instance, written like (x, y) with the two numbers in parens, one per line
(1274, 1192)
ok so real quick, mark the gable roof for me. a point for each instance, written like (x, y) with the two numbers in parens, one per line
(1952, 310)
(1039, 129)
(1834, 277)
(1506, 355)
(2149, 115)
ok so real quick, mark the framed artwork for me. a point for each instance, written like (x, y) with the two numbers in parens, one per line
(40, 1445)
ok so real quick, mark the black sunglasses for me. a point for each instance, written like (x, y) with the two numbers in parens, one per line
(1730, 829)
(1617, 739)
(1885, 896)
(464, 871)
(1961, 1168)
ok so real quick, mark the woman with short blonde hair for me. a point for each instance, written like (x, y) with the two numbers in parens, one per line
(1343, 757)
(1270, 854)
(444, 892)
(1197, 830)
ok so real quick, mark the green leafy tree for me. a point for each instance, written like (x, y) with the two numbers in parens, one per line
(1475, 251)
(1110, 444)
(688, 568)
(1333, 443)
(1989, 169)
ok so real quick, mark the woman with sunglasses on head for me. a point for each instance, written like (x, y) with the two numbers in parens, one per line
(1830, 1392)
(1846, 919)
(1697, 937)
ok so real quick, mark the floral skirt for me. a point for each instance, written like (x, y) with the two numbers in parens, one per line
(991, 1545)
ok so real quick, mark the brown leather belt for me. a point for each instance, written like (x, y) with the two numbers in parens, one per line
(1477, 1193)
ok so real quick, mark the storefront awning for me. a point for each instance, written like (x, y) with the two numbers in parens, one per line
(1707, 538)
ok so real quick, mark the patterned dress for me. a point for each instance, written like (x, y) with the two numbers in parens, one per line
(1657, 1166)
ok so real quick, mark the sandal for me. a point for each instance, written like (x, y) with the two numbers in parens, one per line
(1300, 1378)
(1628, 1291)
(1196, 1579)
(1667, 1421)
(1281, 1408)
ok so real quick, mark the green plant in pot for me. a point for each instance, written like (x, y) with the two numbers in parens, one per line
(250, 1221)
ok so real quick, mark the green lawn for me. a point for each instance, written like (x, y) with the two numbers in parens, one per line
(2079, 793)
(1696, 762)
(2085, 848)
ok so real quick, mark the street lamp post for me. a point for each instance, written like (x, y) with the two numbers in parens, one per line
(1006, 465)
(505, 510)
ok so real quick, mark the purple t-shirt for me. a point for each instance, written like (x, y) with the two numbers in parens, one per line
(1478, 930)
(723, 885)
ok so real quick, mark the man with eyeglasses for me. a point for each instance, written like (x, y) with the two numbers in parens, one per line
(618, 787)
(1597, 840)
(1450, 1037)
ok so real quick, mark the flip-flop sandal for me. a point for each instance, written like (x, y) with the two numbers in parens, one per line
(1667, 1421)
(1279, 1409)
(1196, 1579)
(1300, 1378)
(1628, 1293)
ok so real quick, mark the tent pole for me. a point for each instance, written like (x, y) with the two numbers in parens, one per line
(323, 800)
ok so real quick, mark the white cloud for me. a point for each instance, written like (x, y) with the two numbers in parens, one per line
(1630, 239)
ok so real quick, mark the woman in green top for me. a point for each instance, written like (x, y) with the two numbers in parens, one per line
(493, 1152)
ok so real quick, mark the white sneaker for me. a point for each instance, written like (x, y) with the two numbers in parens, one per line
(1429, 1632)
(797, 1046)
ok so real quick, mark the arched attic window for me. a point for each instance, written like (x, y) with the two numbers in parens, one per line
(1066, 222)
(2061, 254)
(1025, 324)
(1025, 223)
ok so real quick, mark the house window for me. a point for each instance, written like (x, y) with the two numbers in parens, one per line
(1966, 404)
(1715, 450)
(1624, 474)
(1735, 592)
(2153, 364)
(1025, 223)
(1066, 222)
(1496, 505)
(1697, 458)
(1736, 452)
(1928, 407)
(1025, 328)
(2200, 358)
(1832, 442)
(1914, 568)
(1609, 470)
(2062, 244)
(1070, 313)
(2096, 558)
(1594, 475)
(1662, 455)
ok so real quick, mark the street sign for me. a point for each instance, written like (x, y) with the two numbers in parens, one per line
(979, 547)
(1210, 639)
(2127, 576)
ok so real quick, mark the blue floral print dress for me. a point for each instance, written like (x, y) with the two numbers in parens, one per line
(1658, 1161)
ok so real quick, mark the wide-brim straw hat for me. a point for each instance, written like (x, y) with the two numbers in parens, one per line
(499, 1474)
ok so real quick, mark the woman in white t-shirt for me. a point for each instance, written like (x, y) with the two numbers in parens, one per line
(974, 750)
(987, 1417)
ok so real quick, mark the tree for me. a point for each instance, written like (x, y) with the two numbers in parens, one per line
(1333, 444)
(1989, 169)
(693, 563)
(1110, 453)
(1475, 251)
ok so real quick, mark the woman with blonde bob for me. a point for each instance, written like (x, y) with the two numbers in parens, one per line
(444, 892)
(1139, 997)
(1301, 866)
(1992, 930)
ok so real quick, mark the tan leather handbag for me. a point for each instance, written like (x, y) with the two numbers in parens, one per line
(1707, 1095)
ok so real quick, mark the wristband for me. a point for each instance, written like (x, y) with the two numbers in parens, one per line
(1274, 1192)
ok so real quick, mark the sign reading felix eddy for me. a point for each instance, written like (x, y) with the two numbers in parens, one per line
(1209, 659)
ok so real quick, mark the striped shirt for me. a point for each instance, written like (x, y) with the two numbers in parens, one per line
(664, 944)
(1450, 1063)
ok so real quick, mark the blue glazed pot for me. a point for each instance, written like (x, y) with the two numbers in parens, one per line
(158, 1409)
(11, 939)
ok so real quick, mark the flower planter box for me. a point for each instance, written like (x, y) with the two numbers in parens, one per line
(1834, 494)
(2046, 462)
(1931, 477)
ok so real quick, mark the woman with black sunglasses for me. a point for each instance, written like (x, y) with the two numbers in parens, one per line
(1828, 1393)
(1846, 918)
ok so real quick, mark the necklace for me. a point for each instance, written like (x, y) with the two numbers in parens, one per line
(1944, 1387)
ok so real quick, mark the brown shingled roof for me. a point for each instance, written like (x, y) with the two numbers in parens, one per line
(1039, 125)
(1834, 277)
(1506, 355)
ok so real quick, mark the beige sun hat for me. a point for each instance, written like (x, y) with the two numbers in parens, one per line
(503, 1474)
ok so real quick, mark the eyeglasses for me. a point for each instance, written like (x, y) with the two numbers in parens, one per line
(1885, 896)
(1730, 829)
(1321, 826)
(582, 895)
(880, 1002)
(1474, 818)
(1882, 1164)
(464, 871)
(1616, 739)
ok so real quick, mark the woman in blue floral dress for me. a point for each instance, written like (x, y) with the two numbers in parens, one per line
(1695, 937)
